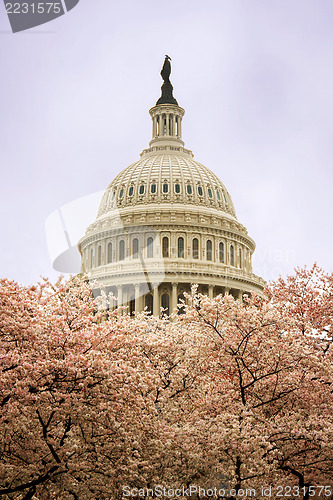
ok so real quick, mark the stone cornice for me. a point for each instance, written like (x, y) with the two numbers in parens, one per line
(169, 218)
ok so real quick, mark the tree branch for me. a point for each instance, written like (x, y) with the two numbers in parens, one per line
(31, 484)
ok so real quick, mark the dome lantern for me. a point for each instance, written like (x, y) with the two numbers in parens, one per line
(166, 114)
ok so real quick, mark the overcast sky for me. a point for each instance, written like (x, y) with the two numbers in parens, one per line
(254, 76)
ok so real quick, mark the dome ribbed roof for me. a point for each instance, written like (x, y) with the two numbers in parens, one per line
(175, 178)
(166, 172)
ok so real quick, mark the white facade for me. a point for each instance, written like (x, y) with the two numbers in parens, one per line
(167, 222)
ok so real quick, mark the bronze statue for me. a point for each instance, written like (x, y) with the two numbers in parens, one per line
(166, 70)
(167, 88)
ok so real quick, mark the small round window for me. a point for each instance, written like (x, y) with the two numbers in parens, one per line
(165, 188)
(177, 188)
(189, 189)
(200, 192)
(210, 194)
(153, 188)
(130, 192)
(121, 194)
(142, 189)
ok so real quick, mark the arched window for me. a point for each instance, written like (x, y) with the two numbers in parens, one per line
(135, 248)
(240, 258)
(189, 189)
(218, 194)
(165, 304)
(131, 191)
(221, 252)
(200, 192)
(142, 189)
(121, 194)
(165, 188)
(165, 247)
(177, 188)
(153, 188)
(232, 256)
(150, 248)
(210, 194)
(121, 250)
(181, 247)
(195, 248)
(99, 255)
(149, 303)
(209, 250)
(181, 309)
(109, 253)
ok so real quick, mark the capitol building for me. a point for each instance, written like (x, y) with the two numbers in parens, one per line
(165, 223)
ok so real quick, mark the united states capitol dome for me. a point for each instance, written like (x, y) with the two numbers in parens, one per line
(167, 222)
(173, 176)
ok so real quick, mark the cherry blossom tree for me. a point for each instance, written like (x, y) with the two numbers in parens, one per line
(229, 395)
(70, 397)
(272, 392)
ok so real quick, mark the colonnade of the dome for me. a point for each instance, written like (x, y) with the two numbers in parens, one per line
(190, 246)
(161, 299)
(167, 123)
(153, 266)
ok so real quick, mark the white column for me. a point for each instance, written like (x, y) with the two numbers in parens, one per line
(137, 298)
(162, 125)
(173, 248)
(211, 291)
(119, 295)
(112, 302)
(156, 301)
(173, 297)
(173, 125)
(158, 125)
(188, 243)
(167, 124)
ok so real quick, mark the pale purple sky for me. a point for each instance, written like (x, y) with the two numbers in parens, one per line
(254, 76)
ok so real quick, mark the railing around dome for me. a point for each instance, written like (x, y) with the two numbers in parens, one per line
(202, 271)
